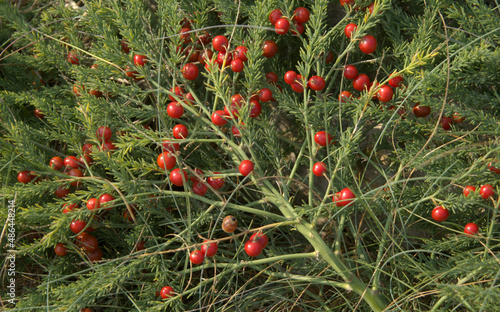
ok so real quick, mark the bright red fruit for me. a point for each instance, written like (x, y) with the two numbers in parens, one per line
(385, 94)
(169, 146)
(368, 44)
(469, 189)
(297, 87)
(62, 191)
(200, 188)
(166, 161)
(216, 182)
(272, 77)
(175, 110)
(440, 214)
(246, 167)
(322, 137)
(60, 250)
(395, 81)
(77, 173)
(103, 133)
(347, 2)
(197, 257)
(93, 203)
(166, 292)
(319, 169)
(253, 249)
(301, 15)
(38, 113)
(316, 83)
(178, 177)
(361, 82)
(73, 58)
(265, 95)
(349, 29)
(299, 29)
(72, 162)
(104, 199)
(237, 65)
(269, 49)
(140, 60)
(275, 15)
(24, 177)
(260, 238)
(95, 255)
(209, 248)
(89, 242)
(344, 96)
(471, 229)
(180, 132)
(421, 111)
(56, 163)
(190, 71)
(77, 226)
(290, 77)
(255, 108)
(457, 118)
(350, 72)
(486, 191)
(282, 26)
(344, 197)
(218, 119)
(220, 43)
(241, 53)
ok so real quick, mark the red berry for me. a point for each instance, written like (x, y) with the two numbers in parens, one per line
(344, 96)
(180, 132)
(446, 123)
(299, 29)
(216, 182)
(421, 111)
(108, 146)
(246, 167)
(62, 191)
(471, 229)
(385, 94)
(24, 177)
(166, 161)
(169, 146)
(56, 163)
(166, 292)
(200, 188)
(197, 257)
(72, 162)
(344, 197)
(178, 177)
(349, 29)
(350, 72)
(290, 77)
(260, 238)
(275, 15)
(241, 53)
(486, 191)
(93, 203)
(319, 169)
(347, 2)
(190, 71)
(104, 199)
(316, 83)
(175, 110)
(185, 33)
(255, 108)
(269, 49)
(469, 189)
(265, 95)
(272, 77)
(282, 26)
(237, 65)
(209, 248)
(103, 133)
(77, 226)
(322, 137)
(368, 44)
(38, 113)
(77, 173)
(297, 87)
(220, 43)
(395, 81)
(95, 255)
(89, 243)
(218, 119)
(229, 224)
(60, 250)
(440, 214)
(253, 249)
(140, 60)
(361, 82)
(73, 58)
(301, 15)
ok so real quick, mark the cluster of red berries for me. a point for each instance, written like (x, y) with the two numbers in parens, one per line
(282, 24)
(440, 214)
